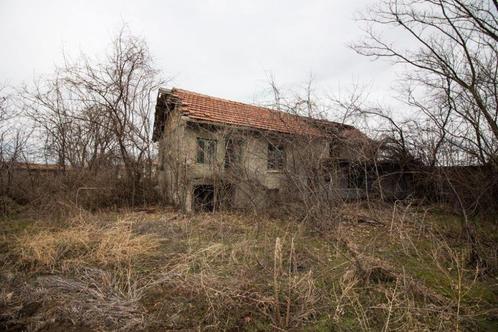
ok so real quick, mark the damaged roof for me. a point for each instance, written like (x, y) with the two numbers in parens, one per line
(200, 107)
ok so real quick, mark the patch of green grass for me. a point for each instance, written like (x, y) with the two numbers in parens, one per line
(486, 324)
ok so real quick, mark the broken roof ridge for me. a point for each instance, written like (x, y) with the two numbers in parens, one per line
(266, 108)
(198, 106)
(225, 100)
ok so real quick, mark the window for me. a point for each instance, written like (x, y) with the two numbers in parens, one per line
(355, 179)
(276, 156)
(233, 149)
(206, 151)
(333, 149)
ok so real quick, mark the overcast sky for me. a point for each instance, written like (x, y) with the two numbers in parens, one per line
(225, 48)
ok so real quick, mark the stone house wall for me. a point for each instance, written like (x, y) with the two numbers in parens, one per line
(255, 186)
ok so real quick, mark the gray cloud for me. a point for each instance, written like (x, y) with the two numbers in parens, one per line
(224, 48)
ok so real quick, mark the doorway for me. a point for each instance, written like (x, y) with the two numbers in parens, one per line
(204, 197)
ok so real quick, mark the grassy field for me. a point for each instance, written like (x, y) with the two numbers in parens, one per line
(160, 270)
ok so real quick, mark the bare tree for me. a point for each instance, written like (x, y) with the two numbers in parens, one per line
(13, 141)
(123, 89)
(97, 113)
(451, 47)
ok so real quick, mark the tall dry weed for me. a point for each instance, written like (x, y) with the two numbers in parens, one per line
(47, 248)
(85, 243)
(119, 244)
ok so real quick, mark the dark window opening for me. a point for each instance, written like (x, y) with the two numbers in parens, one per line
(356, 178)
(233, 150)
(276, 156)
(204, 197)
(333, 149)
(206, 151)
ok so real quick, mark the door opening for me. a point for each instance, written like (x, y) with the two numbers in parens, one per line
(204, 197)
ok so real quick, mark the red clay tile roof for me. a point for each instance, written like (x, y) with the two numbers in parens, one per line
(211, 109)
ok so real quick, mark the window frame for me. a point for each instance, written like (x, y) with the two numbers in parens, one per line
(205, 152)
(233, 152)
(276, 157)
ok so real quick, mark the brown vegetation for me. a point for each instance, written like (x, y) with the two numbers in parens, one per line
(163, 270)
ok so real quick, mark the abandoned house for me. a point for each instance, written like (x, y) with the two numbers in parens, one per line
(215, 153)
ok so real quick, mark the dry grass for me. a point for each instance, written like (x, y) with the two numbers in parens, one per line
(83, 244)
(119, 244)
(166, 271)
(111, 300)
(47, 248)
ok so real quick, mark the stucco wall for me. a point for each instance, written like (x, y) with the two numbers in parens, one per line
(256, 186)
(171, 173)
(252, 178)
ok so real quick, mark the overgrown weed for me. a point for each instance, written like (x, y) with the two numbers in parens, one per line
(222, 271)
